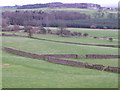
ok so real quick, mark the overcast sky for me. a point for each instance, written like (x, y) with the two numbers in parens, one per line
(24, 2)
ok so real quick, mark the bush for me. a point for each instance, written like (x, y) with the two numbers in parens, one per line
(110, 39)
(85, 34)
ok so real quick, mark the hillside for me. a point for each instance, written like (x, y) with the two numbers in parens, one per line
(35, 73)
(60, 5)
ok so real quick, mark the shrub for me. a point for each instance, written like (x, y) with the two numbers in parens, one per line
(85, 34)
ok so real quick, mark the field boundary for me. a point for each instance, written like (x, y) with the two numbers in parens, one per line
(91, 56)
(114, 46)
(56, 59)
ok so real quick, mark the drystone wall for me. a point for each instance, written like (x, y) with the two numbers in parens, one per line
(102, 56)
(55, 59)
(115, 46)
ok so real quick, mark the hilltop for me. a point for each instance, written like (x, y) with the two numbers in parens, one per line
(58, 5)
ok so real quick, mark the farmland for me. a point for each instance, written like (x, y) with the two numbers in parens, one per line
(39, 74)
(58, 45)
(92, 32)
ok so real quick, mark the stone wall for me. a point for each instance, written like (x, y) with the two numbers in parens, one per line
(74, 56)
(115, 46)
(56, 59)
(102, 56)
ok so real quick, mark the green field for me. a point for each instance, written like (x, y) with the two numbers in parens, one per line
(24, 72)
(95, 32)
(91, 32)
(89, 11)
(105, 62)
(32, 73)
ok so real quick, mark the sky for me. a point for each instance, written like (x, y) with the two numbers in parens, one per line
(24, 2)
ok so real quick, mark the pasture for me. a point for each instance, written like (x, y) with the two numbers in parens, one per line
(23, 72)
(95, 32)
(92, 32)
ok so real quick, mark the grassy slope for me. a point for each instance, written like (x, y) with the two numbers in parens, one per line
(98, 33)
(33, 73)
(88, 11)
(95, 32)
(46, 47)
(77, 39)
(105, 62)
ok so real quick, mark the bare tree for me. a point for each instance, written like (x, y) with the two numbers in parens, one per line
(15, 28)
(29, 30)
(62, 27)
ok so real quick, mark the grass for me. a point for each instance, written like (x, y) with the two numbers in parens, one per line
(105, 62)
(46, 47)
(33, 73)
(88, 11)
(12, 9)
(95, 32)
(74, 39)
(77, 39)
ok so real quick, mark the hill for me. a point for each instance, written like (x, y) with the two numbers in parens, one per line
(60, 5)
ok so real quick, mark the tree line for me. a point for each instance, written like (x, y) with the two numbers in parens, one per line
(55, 19)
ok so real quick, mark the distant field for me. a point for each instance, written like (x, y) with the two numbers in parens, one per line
(86, 11)
(71, 39)
(95, 32)
(8, 9)
(92, 32)
(77, 39)
(52, 9)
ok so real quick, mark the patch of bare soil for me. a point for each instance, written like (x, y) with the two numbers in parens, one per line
(5, 65)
